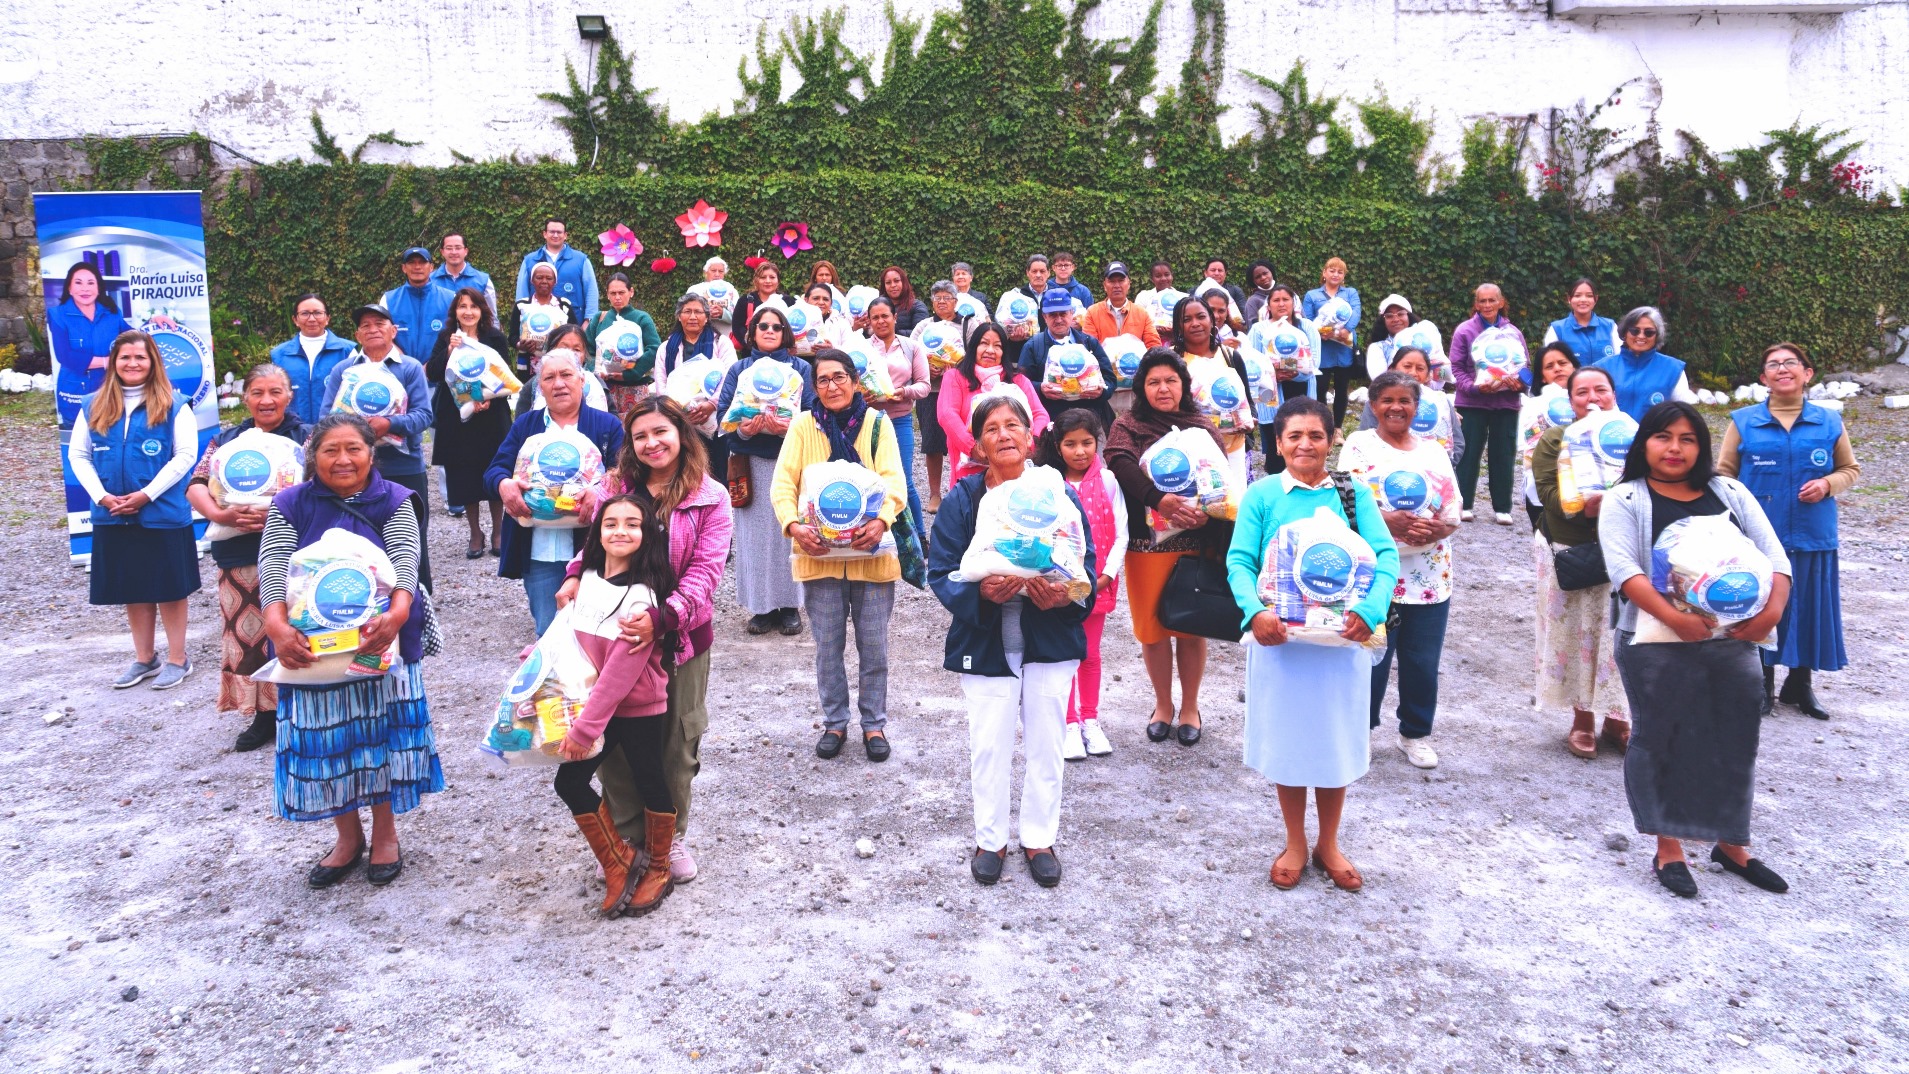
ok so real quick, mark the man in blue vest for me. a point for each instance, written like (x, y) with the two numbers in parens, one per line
(576, 280)
(457, 273)
(420, 309)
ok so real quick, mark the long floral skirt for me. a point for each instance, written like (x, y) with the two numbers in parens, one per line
(1577, 656)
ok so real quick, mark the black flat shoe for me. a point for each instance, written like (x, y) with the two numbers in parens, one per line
(323, 876)
(1676, 876)
(761, 624)
(1188, 735)
(474, 553)
(1044, 867)
(829, 745)
(1158, 730)
(380, 875)
(263, 732)
(876, 747)
(986, 865)
(789, 622)
(1754, 871)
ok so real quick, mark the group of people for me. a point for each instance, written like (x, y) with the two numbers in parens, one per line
(683, 497)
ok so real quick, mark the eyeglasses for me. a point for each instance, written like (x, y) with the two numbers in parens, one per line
(311, 313)
(1783, 363)
(1643, 333)
(834, 380)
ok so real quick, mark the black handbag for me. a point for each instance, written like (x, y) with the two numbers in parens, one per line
(1580, 566)
(1197, 600)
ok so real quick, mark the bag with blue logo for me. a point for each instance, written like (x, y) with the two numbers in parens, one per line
(943, 343)
(721, 297)
(805, 324)
(838, 498)
(1425, 336)
(545, 695)
(766, 387)
(1413, 491)
(871, 370)
(1498, 356)
(1286, 346)
(619, 348)
(1591, 459)
(967, 306)
(475, 374)
(1706, 565)
(1073, 370)
(1187, 463)
(1029, 528)
(1219, 394)
(857, 298)
(1434, 419)
(1314, 571)
(1159, 305)
(557, 467)
(1335, 312)
(1539, 414)
(1125, 352)
(698, 381)
(369, 390)
(249, 470)
(333, 587)
(1017, 310)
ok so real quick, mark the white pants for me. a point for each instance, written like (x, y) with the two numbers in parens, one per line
(1033, 701)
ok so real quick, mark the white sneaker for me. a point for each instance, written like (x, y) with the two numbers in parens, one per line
(1502, 519)
(1465, 515)
(1097, 744)
(1072, 748)
(1418, 751)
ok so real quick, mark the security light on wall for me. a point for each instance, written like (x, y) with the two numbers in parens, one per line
(592, 27)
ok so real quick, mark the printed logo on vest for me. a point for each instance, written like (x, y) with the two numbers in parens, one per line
(1656, 398)
(151, 448)
(1819, 457)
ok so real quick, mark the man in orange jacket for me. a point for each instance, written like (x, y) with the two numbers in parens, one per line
(1115, 314)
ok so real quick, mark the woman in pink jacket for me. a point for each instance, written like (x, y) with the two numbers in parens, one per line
(980, 370)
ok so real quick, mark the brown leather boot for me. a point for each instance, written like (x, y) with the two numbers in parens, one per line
(654, 882)
(615, 855)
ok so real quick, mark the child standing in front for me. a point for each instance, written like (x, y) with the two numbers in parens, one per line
(1072, 446)
(625, 571)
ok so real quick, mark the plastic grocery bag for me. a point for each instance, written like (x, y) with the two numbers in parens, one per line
(1706, 565)
(557, 467)
(1159, 305)
(766, 387)
(476, 373)
(1336, 312)
(995, 387)
(838, 498)
(1314, 571)
(1434, 419)
(369, 390)
(1498, 356)
(619, 347)
(858, 298)
(805, 325)
(1072, 369)
(1125, 352)
(1018, 309)
(943, 343)
(1286, 345)
(967, 306)
(248, 470)
(334, 586)
(871, 371)
(1405, 489)
(1219, 394)
(538, 320)
(1540, 413)
(1029, 528)
(545, 695)
(720, 295)
(1591, 458)
(698, 381)
(1187, 463)
(1425, 336)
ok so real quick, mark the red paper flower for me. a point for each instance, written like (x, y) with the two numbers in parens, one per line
(662, 264)
(702, 225)
(791, 237)
(752, 261)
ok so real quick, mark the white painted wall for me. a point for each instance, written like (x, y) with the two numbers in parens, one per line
(464, 74)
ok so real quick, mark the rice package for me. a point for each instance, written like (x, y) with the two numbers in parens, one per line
(858, 298)
(1029, 528)
(1539, 414)
(1706, 565)
(1591, 458)
(1434, 419)
(721, 295)
(943, 343)
(1018, 310)
(1286, 345)
(557, 467)
(1073, 370)
(619, 347)
(545, 695)
(967, 306)
(1314, 571)
(766, 387)
(333, 587)
(248, 470)
(1336, 312)
(369, 390)
(475, 373)
(696, 382)
(1159, 305)
(1125, 352)
(839, 498)
(1187, 463)
(1219, 394)
(1498, 356)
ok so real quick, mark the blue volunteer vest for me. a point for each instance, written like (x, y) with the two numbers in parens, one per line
(1642, 380)
(1773, 463)
(1590, 342)
(127, 457)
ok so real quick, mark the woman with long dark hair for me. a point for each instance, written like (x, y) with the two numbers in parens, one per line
(464, 448)
(909, 310)
(984, 366)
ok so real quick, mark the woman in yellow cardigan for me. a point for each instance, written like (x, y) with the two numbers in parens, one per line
(842, 583)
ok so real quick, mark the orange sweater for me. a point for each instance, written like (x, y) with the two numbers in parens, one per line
(1099, 323)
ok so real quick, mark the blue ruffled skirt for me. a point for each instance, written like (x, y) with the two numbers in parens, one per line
(1810, 634)
(346, 747)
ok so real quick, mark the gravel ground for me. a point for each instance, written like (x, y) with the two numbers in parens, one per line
(161, 920)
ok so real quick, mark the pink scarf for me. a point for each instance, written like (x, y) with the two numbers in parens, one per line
(1100, 522)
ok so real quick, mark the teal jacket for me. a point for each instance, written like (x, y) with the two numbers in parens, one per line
(1267, 506)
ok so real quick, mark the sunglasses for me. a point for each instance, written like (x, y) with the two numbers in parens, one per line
(1643, 333)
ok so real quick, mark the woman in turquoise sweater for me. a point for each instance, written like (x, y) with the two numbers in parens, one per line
(1308, 705)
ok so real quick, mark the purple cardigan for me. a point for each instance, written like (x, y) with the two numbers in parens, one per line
(699, 531)
(1465, 372)
(312, 509)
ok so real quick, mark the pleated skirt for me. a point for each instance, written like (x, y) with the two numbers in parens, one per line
(133, 564)
(346, 747)
(1690, 772)
(1810, 634)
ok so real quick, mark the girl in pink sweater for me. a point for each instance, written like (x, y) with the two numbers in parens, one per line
(625, 570)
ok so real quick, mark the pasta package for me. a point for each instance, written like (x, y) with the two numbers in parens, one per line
(838, 498)
(871, 371)
(1591, 458)
(766, 387)
(1073, 370)
(1706, 565)
(696, 382)
(1218, 393)
(943, 343)
(542, 699)
(1314, 571)
(248, 470)
(1125, 352)
(720, 295)
(1498, 356)
(369, 390)
(333, 587)
(557, 467)
(476, 374)
(1029, 528)
(1287, 346)
(858, 298)
(1187, 463)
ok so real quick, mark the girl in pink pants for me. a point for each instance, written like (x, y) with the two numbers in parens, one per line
(1072, 446)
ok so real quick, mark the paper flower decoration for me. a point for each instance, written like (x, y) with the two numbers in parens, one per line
(791, 237)
(702, 225)
(752, 261)
(620, 245)
(662, 264)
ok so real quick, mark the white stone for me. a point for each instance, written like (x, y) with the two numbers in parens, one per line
(864, 847)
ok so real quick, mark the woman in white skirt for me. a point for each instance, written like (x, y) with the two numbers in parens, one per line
(1308, 706)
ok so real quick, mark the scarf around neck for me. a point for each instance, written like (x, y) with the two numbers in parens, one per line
(841, 427)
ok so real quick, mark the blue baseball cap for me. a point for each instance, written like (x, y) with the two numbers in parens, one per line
(415, 251)
(1115, 268)
(1056, 300)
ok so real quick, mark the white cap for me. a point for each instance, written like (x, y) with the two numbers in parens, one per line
(1394, 300)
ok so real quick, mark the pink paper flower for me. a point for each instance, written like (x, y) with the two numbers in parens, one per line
(702, 225)
(662, 264)
(791, 237)
(620, 246)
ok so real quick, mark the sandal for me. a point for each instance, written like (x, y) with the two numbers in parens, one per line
(1346, 879)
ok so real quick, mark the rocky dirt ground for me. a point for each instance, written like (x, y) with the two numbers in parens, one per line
(159, 918)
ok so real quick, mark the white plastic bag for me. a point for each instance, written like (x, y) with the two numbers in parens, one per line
(1336, 312)
(1125, 352)
(838, 498)
(1073, 370)
(871, 370)
(805, 326)
(333, 587)
(1425, 336)
(858, 298)
(1287, 346)
(1187, 463)
(1538, 414)
(1159, 305)
(544, 697)
(943, 343)
(557, 467)
(248, 470)
(698, 381)
(475, 373)
(1498, 356)
(766, 387)
(1314, 571)
(1017, 310)
(1434, 418)
(1706, 565)
(967, 306)
(1219, 394)
(1591, 458)
(1029, 528)
(593, 393)
(619, 348)
(369, 390)
(721, 297)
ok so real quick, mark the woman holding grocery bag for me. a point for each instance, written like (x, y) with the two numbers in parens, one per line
(984, 368)
(943, 335)
(1488, 355)
(365, 742)
(233, 487)
(1335, 309)
(838, 488)
(466, 441)
(696, 338)
(1208, 359)
(1015, 641)
(1311, 591)
(622, 346)
(909, 375)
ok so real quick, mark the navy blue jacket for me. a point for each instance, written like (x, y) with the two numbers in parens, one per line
(1033, 366)
(598, 426)
(974, 637)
